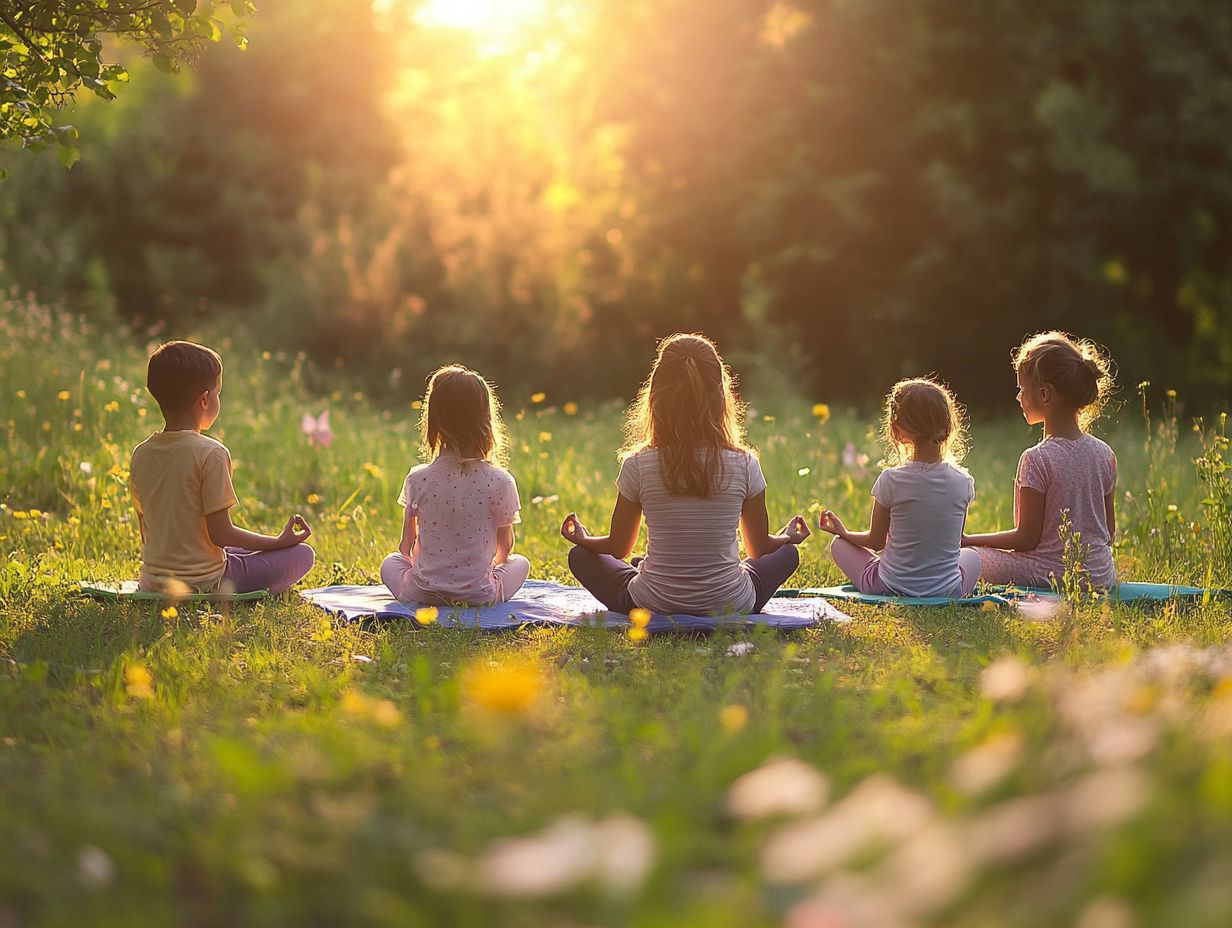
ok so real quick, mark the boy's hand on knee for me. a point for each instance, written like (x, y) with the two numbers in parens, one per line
(572, 529)
(829, 522)
(296, 531)
(797, 530)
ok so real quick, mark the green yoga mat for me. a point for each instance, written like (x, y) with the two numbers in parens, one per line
(127, 591)
(1122, 592)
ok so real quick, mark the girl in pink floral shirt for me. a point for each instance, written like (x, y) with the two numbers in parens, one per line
(1063, 383)
(461, 507)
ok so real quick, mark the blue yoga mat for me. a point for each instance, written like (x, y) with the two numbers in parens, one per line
(542, 603)
(1122, 592)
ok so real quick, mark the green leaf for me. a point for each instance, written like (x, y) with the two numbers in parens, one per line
(68, 156)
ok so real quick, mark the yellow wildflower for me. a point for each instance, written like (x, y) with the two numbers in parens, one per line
(503, 689)
(538, 397)
(170, 613)
(821, 411)
(417, 404)
(570, 408)
(63, 395)
(386, 714)
(355, 703)
(20, 514)
(106, 503)
(138, 682)
(637, 633)
(113, 406)
(427, 615)
(733, 718)
(545, 436)
(21, 394)
(373, 471)
(313, 499)
(141, 412)
(640, 618)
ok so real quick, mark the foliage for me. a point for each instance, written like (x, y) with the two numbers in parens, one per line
(53, 49)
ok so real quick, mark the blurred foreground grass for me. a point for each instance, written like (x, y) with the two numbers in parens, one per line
(205, 766)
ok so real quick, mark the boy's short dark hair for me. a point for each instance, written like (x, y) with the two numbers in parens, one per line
(179, 372)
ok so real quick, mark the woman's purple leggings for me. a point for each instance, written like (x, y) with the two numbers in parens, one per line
(608, 577)
(276, 571)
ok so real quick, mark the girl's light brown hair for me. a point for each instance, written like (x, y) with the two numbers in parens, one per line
(1079, 370)
(689, 412)
(925, 414)
(461, 413)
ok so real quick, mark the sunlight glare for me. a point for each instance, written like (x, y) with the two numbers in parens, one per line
(490, 17)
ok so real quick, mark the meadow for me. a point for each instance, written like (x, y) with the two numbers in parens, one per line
(262, 765)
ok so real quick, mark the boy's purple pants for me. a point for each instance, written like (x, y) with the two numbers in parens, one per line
(276, 571)
(608, 577)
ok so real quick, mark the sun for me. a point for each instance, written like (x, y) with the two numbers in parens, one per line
(491, 18)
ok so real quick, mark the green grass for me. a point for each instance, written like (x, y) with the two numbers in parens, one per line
(262, 766)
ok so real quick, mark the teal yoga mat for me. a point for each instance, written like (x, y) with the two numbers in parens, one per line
(1129, 592)
(127, 591)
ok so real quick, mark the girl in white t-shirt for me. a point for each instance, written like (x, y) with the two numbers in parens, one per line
(919, 504)
(457, 533)
(686, 468)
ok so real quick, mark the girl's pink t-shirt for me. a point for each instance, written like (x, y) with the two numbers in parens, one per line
(1075, 475)
(459, 504)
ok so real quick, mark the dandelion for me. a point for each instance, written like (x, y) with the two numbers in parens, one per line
(733, 718)
(427, 615)
(821, 412)
(170, 613)
(317, 429)
(64, 395)
(538, 398)
(503, 689)
(313, 498)
(21, 394)
(545, 436)
(138, 682)
(385, 714)
(638, 634)
(640, 618)
(106, 503)
(570, 408)
(113, 406)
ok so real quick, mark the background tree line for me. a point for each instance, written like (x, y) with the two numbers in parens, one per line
(841, 191)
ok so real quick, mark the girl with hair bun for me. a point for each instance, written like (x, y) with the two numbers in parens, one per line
(686, 468)
(1063, 383)
(919, 503)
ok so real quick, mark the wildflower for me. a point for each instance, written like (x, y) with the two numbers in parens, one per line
(86, 467)
(106, 503)
(640, 618)
(373, 470)
(385, 713)
(1170, 394)
(1005, 679)
(427, 615)
(313, 498)
(170, 613)
(570, 408)
(138, 682)
(545, 436)
(503, 689)
(265, 356)
(113, 406)
(803, 472)
(638, 634)
(63, 395)
(821, 411)
(733, 718)
(141, 412)
(780, 786)
(417, 404)
(538, 398)
(317, 429)
(853, 461)
(354, 703)
(21, 394)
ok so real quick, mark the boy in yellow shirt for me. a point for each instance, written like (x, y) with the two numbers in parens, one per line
(181, 484)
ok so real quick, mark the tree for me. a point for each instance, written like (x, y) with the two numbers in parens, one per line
(52, 49)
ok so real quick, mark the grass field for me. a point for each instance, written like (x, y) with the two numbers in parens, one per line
(261, 766)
